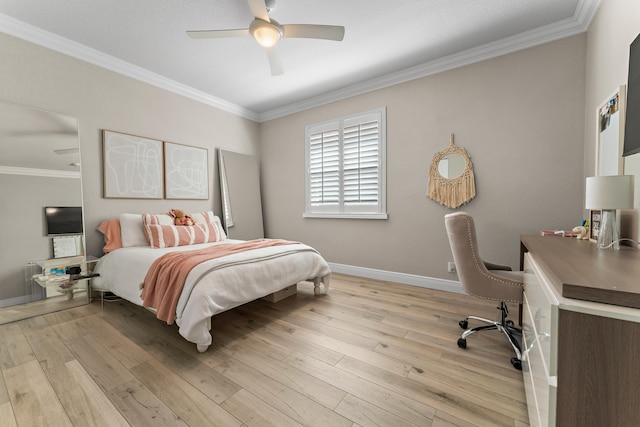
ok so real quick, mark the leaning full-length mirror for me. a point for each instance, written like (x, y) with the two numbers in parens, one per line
(41, 193)
(241, 199)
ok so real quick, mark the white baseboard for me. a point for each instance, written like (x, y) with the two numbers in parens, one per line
(405, 279)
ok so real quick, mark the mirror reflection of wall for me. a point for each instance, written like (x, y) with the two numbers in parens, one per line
(240, 192)
(39, 167)
(452, 165)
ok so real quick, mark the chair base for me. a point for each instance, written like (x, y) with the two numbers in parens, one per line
(513, 333)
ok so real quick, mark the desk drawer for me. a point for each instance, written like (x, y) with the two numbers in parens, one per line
(543, 314)
(540, 387)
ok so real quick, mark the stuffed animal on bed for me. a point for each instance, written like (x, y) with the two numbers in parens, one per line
(181, 218)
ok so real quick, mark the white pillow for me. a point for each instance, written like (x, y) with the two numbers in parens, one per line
(132, 230)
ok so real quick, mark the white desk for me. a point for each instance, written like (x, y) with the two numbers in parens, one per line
(582, 360)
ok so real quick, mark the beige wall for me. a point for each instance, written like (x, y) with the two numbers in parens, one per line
(37, 77)
(525, 119)
(29, 227)
(612, 30)
(519, 116)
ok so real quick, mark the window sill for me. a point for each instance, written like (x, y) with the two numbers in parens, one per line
(346, 215)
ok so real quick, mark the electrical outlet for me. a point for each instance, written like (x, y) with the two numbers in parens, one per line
(451, 267)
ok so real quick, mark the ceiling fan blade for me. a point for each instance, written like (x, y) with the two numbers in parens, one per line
(215, 34)
(273, 54)
(259, 9)
(63, 151)
(309, 31)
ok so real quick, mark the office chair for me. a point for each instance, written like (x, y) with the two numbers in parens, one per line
(484, 280)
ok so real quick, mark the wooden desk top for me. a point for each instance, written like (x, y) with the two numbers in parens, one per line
(579, 270)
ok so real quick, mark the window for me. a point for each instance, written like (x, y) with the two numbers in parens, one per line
(345, 167)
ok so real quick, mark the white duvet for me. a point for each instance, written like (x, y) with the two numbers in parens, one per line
(216, 285)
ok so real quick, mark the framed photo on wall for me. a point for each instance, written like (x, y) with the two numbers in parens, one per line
(132, 166)
(186, 172)
(595, 219)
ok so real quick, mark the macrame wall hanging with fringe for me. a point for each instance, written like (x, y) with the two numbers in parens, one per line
(451, 192)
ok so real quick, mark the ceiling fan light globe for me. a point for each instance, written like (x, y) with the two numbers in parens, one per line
(265, 33)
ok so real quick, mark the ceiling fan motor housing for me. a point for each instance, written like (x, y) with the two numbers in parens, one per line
(266, 33)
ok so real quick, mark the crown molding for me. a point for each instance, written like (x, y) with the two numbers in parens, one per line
(47, 173)
(577, 24)
(586, 10)
(79, 51)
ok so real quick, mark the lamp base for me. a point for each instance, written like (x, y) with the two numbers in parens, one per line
(608, 237)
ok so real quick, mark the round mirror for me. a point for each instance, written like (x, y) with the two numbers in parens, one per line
(452, 165)
(451, 179)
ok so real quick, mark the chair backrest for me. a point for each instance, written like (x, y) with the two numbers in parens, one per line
(461, 231)
(474, 276)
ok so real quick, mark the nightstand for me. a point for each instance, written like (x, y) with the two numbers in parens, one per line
(63, 275)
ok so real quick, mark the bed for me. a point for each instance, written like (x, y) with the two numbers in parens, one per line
(211, 286)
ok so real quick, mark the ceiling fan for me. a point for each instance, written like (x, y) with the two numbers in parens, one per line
(63, 151)
(267, 32)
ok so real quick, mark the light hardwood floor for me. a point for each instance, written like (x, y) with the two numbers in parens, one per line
(367, 354)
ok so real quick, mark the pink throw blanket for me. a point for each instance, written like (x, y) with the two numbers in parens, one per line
(166, 277)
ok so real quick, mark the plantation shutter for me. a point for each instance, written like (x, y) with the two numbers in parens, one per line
(345, 167)
(361, 162)
(324, 168)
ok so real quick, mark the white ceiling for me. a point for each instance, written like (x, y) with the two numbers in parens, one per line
(385, 42)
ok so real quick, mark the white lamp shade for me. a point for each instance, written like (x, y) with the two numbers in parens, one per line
(609, 192)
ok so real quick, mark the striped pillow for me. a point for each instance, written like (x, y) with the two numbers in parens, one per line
(168, 236)
(204, 217)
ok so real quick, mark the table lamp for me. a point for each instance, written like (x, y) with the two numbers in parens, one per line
(609, 193)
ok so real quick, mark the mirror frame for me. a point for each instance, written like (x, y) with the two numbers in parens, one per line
(25, 296)
(451, 192)
(240, 195)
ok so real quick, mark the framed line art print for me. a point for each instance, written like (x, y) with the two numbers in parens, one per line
(132, 166)
(186, 172)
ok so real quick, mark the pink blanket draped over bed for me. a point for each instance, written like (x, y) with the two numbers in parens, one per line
(166, 277)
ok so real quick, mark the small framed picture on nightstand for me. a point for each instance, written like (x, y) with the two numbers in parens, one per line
(66, 246)
(595, 218)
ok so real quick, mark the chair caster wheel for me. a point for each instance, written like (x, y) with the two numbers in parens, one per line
(462, 343)
(510, 323)
(517, 363)
(463, 324)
